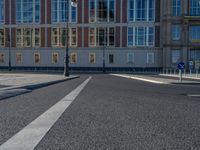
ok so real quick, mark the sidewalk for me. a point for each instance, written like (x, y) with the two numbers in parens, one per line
(17, 80)
(158, 79)
(16, 83)
(185, 76)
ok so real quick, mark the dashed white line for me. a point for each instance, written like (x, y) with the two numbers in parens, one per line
(29, 137)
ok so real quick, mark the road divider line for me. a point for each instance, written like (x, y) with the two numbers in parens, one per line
(29, 137)
(139, 78)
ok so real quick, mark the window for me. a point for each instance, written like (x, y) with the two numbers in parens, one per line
(59, 37)
(28, 11)
(28, 37)
(176, 56)
(37, 58)
(73, 59)
(176, 7)
(102, 10)
(130, 58)
(60, 8)
(141, 36)
(55, 58)
(150, 58)
(19, 58)
(111, 59)
(111, 36)
(141, 10)
(176, 32)
(2, 10)
(194, 54)
(102, 36)
(194, 7)
(194, 33)
(92, 58)
(92, 37)
(2, 58)
(2, 38)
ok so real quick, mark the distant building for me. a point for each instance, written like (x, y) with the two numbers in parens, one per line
(127, 34)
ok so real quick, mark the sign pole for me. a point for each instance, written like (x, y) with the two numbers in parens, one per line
(180, 75)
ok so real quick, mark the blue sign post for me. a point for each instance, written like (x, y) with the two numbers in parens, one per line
(181, 67)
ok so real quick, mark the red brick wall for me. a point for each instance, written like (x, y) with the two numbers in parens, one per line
(124, 37)
(157, 36)
(117, 37)
(13, 12)
(157, 13)
(13, 38)
(124, 11)
(48, 11)
(42, 11)
(86, 32)
(7, 14)
(80, 5)
(42, 37)
(118, 8)
(49, 37)
(86, 11)
(79, 37)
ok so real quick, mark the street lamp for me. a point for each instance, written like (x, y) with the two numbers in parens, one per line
(9, 55)
(104, 46)
(66, 68)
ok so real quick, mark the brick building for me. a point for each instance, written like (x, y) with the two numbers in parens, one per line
(126, 34)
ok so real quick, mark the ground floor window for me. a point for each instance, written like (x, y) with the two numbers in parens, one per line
(59, 37)
(55, 58)
(92, 58)
(194, 54)
(2, 58)
(73, 58)
(176, 56)
(194, 33)
(2, 38)
(37, 58)
(111, 59)
(130, 58)
(19, 58)
(102, 37)
(28, 37)
(150, 58)
(141, 36)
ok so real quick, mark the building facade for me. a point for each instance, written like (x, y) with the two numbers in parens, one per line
(122, 34)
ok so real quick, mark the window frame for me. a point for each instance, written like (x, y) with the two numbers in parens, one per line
(57, 54)
(38, 57)
(94, 54)
(4, 58)
(21, 61)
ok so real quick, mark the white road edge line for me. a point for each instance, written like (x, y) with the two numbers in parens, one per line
(29, 137)
(193, 95)
(137, 78)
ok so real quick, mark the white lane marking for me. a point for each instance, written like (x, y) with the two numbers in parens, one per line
(141, 79)
(193, 95)
(29, 137)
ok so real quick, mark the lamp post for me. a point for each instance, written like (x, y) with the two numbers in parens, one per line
(104, 45)
(9, 53)
(66, 68)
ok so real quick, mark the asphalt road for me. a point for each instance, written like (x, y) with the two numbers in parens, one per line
(111, 113)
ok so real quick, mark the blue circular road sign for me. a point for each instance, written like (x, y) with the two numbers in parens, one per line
(181, 66)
